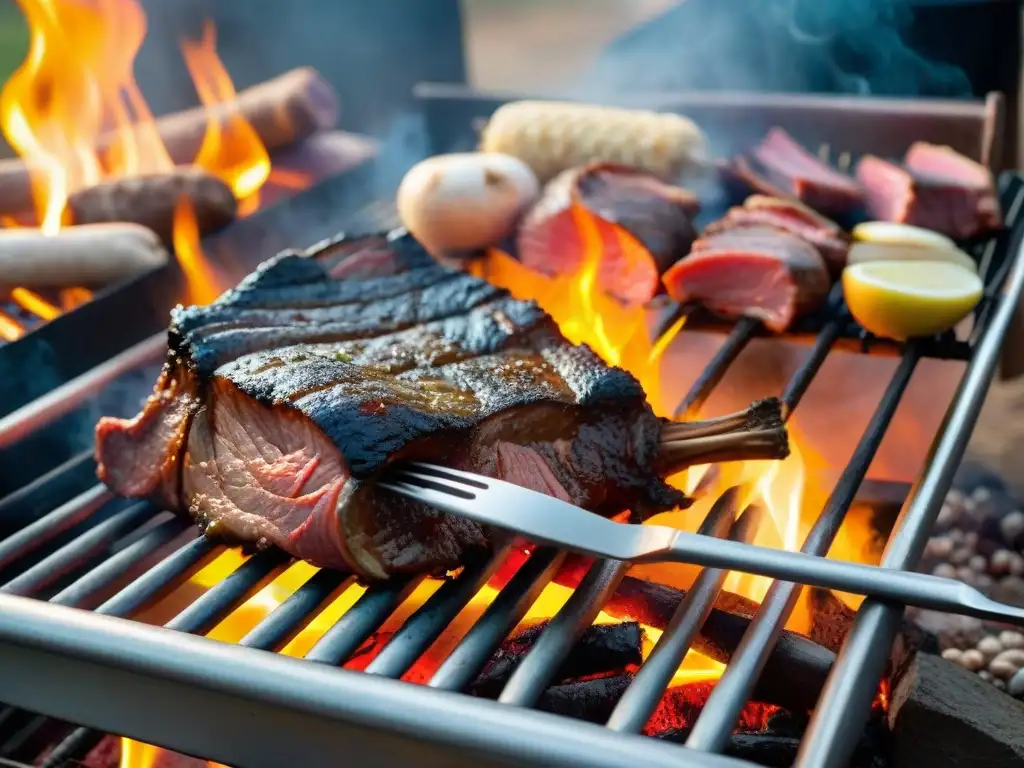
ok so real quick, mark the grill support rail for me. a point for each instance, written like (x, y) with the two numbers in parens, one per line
(245, 706)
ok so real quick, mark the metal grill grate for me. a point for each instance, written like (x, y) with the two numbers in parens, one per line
(246, 708)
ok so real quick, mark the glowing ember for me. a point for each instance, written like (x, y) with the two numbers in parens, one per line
(34, 303)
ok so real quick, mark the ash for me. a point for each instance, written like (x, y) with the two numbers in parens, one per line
(979, 539)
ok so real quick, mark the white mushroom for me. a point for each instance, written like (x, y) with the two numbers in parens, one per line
(460, 203)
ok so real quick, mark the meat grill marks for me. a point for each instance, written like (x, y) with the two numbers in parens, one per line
(289, 415)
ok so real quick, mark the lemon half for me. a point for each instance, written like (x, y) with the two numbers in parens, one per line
(889, 241)
(905, 299)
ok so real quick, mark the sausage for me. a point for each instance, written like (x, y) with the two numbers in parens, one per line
(282, 111)
(151, 201)
(92, 255)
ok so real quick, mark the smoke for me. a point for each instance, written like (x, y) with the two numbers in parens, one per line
(808, 46)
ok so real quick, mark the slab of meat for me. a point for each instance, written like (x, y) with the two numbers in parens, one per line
(759, 272)
(624, 204)
(740, 178)
(941, 191)
(282, 401)
(793, 217)
(805, 176)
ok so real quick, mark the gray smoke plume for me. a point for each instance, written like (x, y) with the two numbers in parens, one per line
(808, 46)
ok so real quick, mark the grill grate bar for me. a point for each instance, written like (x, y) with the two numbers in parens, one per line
(850, 688)
(233, 590)
(721, 711)
(542, 661)
(470, 656)
(797, 386)
(642, 696)
(48, 527)
(105, 573)
(79, 551)
(433, 617)
(289, 618)
(361, 620)
(735, 342)
(51, 489)
(161, 578)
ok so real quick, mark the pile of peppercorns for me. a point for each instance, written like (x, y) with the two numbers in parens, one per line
(979, 539)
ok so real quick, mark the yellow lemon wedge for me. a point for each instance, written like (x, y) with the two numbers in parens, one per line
(904, 299)
(889, 241)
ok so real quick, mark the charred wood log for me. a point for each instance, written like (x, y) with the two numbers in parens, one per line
(942, 715)
(152, 201)
(603, 648)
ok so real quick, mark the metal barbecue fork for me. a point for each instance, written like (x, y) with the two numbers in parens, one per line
(547, 520)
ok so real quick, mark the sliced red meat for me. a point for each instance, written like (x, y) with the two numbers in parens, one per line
(741, 178)
(805, 176)
(758, 272)
(894, 193)
(643, 224)
(944, 166)
(793, 217)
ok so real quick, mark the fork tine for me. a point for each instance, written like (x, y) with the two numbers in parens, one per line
(435, 483)
(455, 475)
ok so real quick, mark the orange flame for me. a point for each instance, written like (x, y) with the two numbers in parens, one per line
(199, 275)
(231, 149)
(34, 303)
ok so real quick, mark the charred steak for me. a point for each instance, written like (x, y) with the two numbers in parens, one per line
(282, 401)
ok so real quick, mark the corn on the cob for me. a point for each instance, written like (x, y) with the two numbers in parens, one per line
(552, 136)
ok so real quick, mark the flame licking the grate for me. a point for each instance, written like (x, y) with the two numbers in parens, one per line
(77, 118)
(619, 333)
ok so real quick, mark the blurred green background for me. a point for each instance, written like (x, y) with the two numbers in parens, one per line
(13, 47)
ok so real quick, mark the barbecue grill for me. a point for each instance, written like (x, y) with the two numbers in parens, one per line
(77, 564)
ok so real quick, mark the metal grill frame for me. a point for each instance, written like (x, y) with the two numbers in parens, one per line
(244, 706)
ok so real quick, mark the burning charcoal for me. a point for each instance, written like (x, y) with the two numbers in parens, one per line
(795, 671)
(602, 648)
(590, 700)
(943, 716)
(152, 201)
(776, 750)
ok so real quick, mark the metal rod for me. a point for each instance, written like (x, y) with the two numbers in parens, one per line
(61, 476)
(361, 620)
(643, 694)
(533, 674)
(715, 723)
(33, 536)
(288, 619)
(75, 553)
(740, 335)
(161, 578)
(230, 592)
(502, 615)
(68, 396)
(433, 617)
(804, 376)
(220, 690)
(850, 689)
(103, 575)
